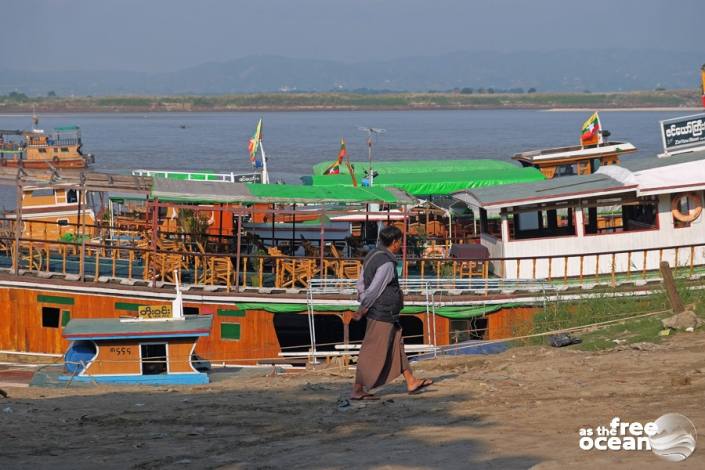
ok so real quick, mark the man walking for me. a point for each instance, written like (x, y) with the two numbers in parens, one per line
(382, 358)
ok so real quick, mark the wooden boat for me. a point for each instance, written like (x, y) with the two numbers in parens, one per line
(36, 148)
(584, 159)
(53, 213)
(621, 220)
(270, 306)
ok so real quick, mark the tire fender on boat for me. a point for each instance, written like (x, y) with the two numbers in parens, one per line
(695, 204)
(55, 159)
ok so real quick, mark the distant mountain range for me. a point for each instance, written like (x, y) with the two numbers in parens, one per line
(567, 70)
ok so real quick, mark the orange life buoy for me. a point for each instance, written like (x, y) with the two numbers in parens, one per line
(695, 204)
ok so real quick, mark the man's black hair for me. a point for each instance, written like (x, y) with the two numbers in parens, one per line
(389, 234)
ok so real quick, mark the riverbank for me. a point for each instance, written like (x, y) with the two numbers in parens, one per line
(516, 410)
(268, 102)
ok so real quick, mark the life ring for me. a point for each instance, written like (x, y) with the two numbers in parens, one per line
(55, 159)
(694, 202)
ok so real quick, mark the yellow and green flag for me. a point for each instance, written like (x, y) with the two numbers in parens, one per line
(255, 141)
(590, 132)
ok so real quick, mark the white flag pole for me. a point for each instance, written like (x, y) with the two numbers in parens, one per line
(599, 132)
(265, 174)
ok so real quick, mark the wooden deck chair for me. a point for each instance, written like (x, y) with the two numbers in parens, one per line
(218, 271)
(345, 269)
(297, 272)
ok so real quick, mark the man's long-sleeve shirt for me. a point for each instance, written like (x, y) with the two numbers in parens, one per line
(383, 276)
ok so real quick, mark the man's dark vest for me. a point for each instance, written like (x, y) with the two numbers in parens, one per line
(387, 307)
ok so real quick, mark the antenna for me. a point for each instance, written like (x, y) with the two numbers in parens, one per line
(371, 132)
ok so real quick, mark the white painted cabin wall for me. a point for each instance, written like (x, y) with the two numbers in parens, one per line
(666, 235)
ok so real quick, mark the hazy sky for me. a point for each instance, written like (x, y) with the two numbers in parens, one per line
(161, 35)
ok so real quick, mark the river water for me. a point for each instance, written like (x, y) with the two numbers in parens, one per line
(294, 141)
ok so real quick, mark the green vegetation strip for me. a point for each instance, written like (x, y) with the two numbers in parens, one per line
(318, 101)
(608, 307)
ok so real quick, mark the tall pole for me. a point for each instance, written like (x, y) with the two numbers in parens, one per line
(370, 174)
(403, 242)
(18, 223)
(265, 173)
(238, 254)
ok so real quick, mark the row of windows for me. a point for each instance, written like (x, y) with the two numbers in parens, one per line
(604, 217)
(63, 150)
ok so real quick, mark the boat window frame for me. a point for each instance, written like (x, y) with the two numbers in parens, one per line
(587, 204)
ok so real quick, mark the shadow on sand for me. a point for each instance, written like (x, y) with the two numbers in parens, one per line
(269, 424)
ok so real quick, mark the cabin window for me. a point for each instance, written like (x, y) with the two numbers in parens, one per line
(616, 216)
(490, 224)
(190, 310)
(42, 150)
(153, 359)
(594, 165)
(62, 222)
(71, 196)
(543, 223)
(64, 149)
(42, 192)
(567, 170)
(50, 317)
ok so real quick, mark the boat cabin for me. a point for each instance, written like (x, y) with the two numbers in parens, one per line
(575, 160)
(617, 220)
(53, 213)
(39, 149)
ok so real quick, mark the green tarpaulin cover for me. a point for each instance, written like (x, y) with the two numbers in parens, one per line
(301, 192)
(452, 312)
(419, 166)
(250, 193)
(439, 182)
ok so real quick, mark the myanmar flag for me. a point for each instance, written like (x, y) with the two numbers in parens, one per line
(334, 168)
(590, 133)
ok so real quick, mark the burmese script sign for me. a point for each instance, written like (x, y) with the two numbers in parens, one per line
(683, 132)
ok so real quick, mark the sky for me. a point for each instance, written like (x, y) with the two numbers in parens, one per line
(166, 35)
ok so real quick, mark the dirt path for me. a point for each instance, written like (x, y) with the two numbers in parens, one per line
(519, 409)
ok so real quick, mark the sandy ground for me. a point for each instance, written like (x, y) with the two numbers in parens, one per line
(518, 409)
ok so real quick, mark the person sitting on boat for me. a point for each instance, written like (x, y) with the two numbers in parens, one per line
(382, 357)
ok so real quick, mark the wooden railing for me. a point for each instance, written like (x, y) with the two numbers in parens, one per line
(91, 261)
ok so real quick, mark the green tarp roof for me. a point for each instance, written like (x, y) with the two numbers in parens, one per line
(426, 180)
(222, 192)
(419, 166)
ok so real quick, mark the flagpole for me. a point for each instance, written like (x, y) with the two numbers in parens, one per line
(265, 173)
(599, 129)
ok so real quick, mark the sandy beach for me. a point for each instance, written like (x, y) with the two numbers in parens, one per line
(516, 410)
